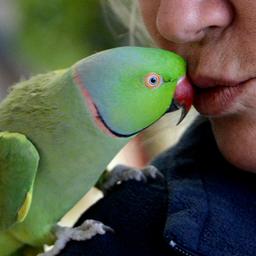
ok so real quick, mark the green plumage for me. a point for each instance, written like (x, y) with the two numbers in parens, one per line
(48, 119)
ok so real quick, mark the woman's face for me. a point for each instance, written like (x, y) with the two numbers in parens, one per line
(218, 39)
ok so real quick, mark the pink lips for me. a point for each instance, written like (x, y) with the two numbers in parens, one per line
(214, 97)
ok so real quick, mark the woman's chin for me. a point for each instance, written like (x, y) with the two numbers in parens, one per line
(235, 135)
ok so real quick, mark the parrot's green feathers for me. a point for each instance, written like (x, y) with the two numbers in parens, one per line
(76, 120)
(18, 166)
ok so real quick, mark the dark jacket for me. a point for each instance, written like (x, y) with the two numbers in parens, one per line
(204, 206)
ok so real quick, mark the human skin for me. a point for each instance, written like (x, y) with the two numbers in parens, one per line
(217, 38)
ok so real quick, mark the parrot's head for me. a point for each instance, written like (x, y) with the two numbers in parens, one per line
(129, 88)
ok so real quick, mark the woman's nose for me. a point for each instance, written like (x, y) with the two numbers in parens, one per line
(183, 21)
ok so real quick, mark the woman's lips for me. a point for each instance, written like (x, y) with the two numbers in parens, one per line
(216, 97)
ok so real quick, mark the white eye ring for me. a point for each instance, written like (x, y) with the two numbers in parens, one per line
(153, 80)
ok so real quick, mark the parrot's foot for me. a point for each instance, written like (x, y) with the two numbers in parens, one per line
(86, 231)
(122, 173)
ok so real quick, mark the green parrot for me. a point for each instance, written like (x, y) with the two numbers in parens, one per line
(60, 130)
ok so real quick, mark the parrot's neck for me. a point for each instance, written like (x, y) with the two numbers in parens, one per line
(93, 110)
(73, 151)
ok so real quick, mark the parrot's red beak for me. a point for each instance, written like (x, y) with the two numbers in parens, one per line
(183, 97)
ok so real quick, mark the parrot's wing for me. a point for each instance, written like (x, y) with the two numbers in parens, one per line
(18, 166)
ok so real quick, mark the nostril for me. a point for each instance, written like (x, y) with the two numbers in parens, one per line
(213, 27)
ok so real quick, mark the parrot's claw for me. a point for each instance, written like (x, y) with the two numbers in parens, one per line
(122, 173)
(86, 231)
(152, 172)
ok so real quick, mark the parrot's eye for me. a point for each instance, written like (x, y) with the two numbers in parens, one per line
(153, 80)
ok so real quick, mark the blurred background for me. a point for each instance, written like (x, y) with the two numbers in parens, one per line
(38, 36)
